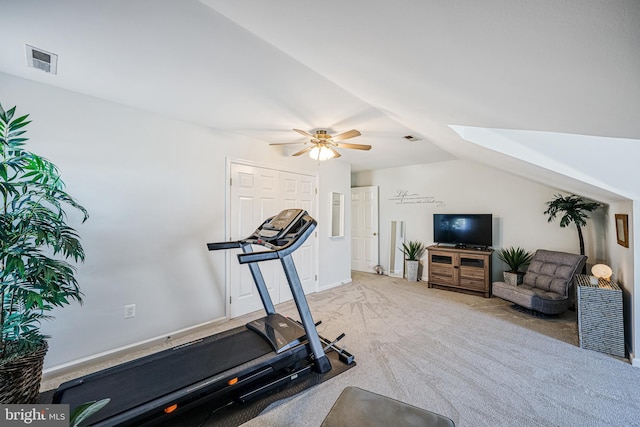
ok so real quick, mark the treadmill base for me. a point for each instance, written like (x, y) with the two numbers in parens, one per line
(237, 414)
(234, 415)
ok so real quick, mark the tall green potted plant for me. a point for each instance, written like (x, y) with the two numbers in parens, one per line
(413, 251)
(516, 259)
(35, 244)
(573, 209)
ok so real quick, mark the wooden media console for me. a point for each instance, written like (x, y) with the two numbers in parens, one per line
(462, 270)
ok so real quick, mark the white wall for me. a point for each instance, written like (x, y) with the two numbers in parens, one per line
(155, 190)
(335, 254)
(459, 186)
(634, 236)
(621, 261)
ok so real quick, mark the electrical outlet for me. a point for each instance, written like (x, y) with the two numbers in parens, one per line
(129, 311)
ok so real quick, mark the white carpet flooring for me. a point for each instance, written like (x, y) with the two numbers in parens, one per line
(474, 360)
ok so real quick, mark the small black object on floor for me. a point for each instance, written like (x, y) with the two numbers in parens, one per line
(533, 313)
(236, 414)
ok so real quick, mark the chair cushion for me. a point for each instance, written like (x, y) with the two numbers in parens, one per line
(356, 407)
(532, 298)
(553, 271)
(546, 284)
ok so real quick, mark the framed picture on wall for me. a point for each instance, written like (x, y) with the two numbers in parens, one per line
(622, 230)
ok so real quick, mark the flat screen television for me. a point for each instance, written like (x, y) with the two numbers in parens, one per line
(474, 230)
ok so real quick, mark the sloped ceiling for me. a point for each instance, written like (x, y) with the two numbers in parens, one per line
(387, 68)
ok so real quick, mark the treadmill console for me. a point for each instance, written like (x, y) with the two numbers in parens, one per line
(281, 234)
(278, 226)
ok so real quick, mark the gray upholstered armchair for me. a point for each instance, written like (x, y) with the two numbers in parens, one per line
(547, 286)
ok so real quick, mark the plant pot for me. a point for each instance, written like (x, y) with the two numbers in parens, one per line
(20, 377)
(412, 270)
(513, 279)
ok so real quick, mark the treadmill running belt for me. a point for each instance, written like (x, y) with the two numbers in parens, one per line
(145, 379)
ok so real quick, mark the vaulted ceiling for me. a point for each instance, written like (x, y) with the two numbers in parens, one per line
(387, 68)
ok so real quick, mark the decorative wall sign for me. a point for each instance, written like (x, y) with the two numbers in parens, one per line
(403, 197)
(622, 230)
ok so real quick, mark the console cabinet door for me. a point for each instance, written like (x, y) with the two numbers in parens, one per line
(441, 268)
(472, 272)
(464, 270)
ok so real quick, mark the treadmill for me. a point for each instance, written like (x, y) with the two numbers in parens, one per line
(233, 366)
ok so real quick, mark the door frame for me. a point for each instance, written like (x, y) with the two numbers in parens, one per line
(227, 222)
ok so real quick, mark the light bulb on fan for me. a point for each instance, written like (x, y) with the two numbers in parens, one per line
(321, 153)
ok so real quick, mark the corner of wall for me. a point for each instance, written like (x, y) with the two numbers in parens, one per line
(635, 362)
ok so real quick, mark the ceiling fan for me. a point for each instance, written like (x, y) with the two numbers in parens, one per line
(322, 146)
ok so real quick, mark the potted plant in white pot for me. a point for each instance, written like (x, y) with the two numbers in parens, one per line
(413, 251)
(516, 259)
(35, 244)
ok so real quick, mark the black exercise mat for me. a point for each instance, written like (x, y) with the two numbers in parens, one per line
(234, 415)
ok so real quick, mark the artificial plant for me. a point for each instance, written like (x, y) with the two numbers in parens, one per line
(515, 258)
(35, 240)
(81, 414)
(573, 209)
(413, 251)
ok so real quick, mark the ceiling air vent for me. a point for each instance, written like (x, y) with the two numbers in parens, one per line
(42, 60)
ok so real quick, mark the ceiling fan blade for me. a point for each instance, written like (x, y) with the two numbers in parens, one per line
(346, 135)
(335, 153)
(301, 132)
(301, 152)
(289, 143)
(355, 146)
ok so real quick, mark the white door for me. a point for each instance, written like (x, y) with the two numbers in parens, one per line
(256, 194)
(299, 191)
(364, 228)
(254, 198)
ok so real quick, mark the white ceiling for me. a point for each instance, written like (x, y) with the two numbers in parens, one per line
(387, 68)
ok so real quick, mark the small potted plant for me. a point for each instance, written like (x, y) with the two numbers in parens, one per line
(516, 259)
(35, 242)
(413, 251)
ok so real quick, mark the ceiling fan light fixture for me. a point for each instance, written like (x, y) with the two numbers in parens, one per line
(322, 146)
(321, 153)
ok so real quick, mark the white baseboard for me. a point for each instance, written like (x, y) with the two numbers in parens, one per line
(109, 354)
(333, 285)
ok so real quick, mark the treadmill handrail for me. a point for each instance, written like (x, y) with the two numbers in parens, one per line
(223, 245)
(257, 257)
(279, 251)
